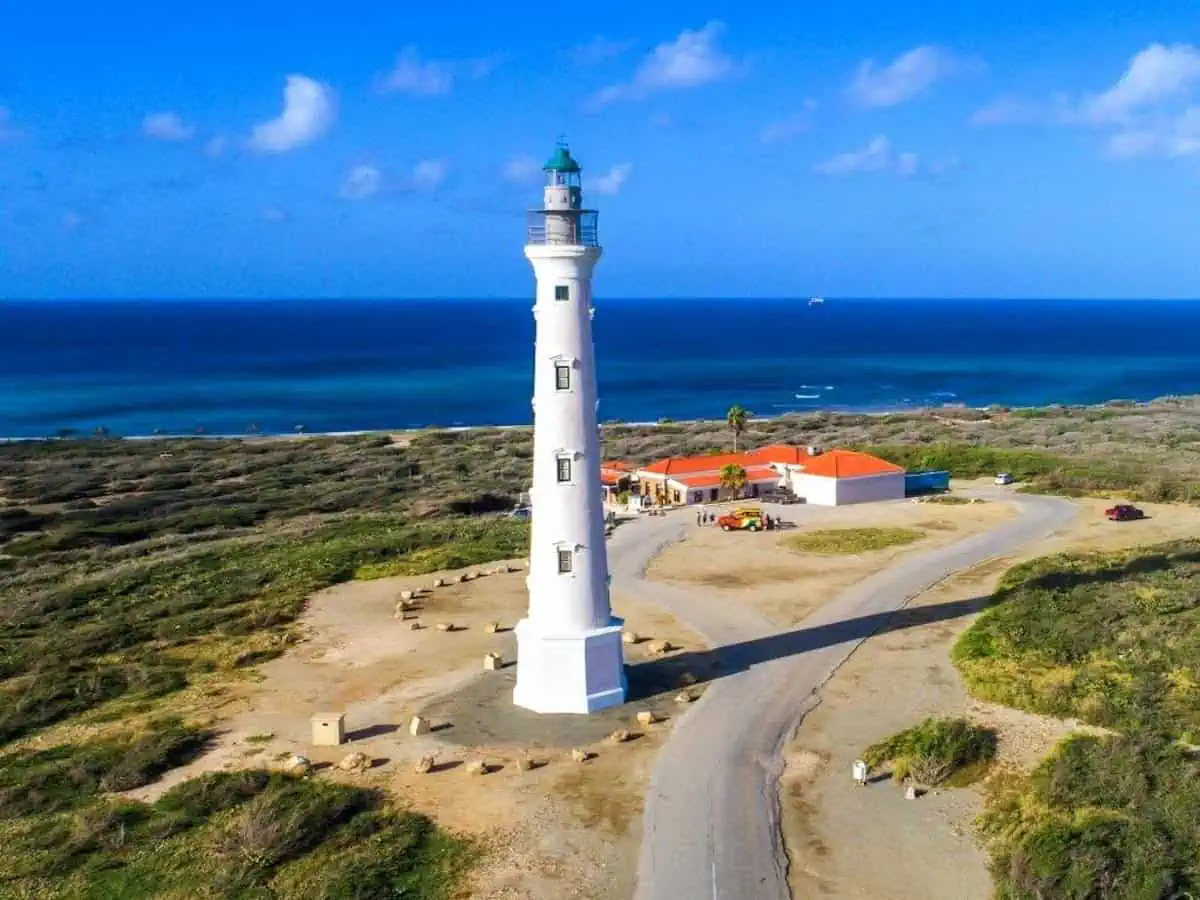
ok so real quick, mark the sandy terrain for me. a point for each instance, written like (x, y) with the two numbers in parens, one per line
(562, 830)
(785, 585)
(845, 841)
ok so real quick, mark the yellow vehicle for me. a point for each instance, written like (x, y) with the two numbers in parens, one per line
(746, 518)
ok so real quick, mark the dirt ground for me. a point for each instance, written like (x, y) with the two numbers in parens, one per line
(870, 843)
(785, 585)
(564, 829)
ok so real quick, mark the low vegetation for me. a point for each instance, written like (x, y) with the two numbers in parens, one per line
(851, 540)
(936, 751)
(1112, 639)
(1102, 818)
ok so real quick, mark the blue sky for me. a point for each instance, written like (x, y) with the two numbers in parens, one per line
(389, 149)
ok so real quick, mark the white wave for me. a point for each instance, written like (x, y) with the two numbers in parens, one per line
(808, 396)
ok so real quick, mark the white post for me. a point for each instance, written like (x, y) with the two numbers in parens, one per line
(569, 656)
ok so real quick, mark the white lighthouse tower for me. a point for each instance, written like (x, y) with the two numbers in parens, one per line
(569, 656)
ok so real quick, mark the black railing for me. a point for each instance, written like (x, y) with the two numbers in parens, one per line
(569, 227)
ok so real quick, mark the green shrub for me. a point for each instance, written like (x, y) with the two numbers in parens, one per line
(851, 540)
(935, 751)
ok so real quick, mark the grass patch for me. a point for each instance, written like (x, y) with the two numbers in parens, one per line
(1112, 639)
(937, 751)
(1102, 818)
(241, 835)
(951, 499)
(850, 540)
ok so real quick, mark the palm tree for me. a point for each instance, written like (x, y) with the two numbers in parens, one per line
(737, 422)
(733, 479)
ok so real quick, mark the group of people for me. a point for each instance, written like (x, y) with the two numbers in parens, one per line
(704, 517)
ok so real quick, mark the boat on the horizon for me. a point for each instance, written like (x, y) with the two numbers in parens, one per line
(813, 301)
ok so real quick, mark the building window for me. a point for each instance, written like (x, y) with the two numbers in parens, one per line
(562, 377)
(562, 292)
(714, 494)
(564, 469)
(676, 498)
(566, 559)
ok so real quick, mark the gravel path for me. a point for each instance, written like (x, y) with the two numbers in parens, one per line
(711, 826)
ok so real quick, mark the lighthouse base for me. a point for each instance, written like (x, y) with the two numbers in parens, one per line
(569, 673)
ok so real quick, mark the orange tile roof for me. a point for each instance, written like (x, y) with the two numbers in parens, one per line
(706, 479)
(847, 464)
(684, 465)
(617, 465)
(783, 454)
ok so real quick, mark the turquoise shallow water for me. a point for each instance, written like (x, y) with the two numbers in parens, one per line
(183, 366)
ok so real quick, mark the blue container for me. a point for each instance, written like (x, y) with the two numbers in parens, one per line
(926, 482)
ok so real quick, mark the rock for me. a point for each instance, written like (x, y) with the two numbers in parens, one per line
(407, 595)
(683, 697)
(355, 762)
(629, 637)
(620, 736)
(439, 582)
(646, 717)
(524, 764)
(491, 627)
(418, 726)
(414, 626)
(687, 679)
(493, 662)
(445, 626)
(424, 765)
(469, 576)
(658, 648)
(477, 767)
(580, 756)
(910, 792)
(458, 579)
(299, 766)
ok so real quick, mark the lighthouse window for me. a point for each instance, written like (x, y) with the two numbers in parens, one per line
(565, 561)
(564, 469)
(562, 377)
(562, 292)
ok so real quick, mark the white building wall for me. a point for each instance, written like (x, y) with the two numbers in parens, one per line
(870, 488)
(815, 489)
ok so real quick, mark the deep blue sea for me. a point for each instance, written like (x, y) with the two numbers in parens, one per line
(182, 367)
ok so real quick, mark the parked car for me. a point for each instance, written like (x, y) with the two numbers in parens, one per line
(1004, 478)
(1123, 512)
(779, 496)
(744, 519)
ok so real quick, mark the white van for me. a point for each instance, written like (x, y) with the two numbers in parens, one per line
(1004, 478)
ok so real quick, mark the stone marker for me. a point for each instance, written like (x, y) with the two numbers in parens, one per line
(646, 717)
(580, 756)
(470, 576)
(493, 662)
(458, 579)
(477, 767)
(683, 697)
(407, 595)
(658, 648)
(491, 627)
(910, 792)
(445, 626)
(439, 582)
(620, 736)
(298, 766)
(414, 626)
(328, 729)
(355, 762)
(524, 764)
(424, 765)
(629, 637)
(418, 726)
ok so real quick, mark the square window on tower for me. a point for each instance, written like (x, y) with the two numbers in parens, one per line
(564, 469)
(566, 559)
(562, 292)
(562, 377)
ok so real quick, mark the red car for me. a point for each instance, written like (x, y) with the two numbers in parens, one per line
(1123, 512)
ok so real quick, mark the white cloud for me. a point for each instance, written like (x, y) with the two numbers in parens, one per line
(691, 60)
(361, 182)
(611, 181)
(906, 77)
(429, 174)
(275, 215)
(167, 126)
(430, 78)
(523, 170)
(1154, 75)
(789, 126)
(598, 50)
(309, 111)
(877, 156)
(1172, 136)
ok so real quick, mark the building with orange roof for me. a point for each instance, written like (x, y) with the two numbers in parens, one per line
(824, 478)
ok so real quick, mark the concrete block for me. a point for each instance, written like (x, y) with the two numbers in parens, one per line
(328, 729)
(646, 717)
(493, 662)
(477, 767)
(418, 726)
(424, 765)
(629, 637)
(620, 736)
(580, 756)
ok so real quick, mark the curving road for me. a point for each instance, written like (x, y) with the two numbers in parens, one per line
(711, 826)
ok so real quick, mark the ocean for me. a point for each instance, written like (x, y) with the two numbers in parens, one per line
(227, 367)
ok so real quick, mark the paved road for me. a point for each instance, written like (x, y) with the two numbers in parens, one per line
(711, 828)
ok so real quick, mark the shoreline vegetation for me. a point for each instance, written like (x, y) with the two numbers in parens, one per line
(141, 580)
